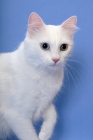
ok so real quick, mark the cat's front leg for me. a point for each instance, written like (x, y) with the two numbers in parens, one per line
(49, 117)
(21, 126)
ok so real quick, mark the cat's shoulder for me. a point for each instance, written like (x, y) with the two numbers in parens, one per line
(5, 60)
(4, 57)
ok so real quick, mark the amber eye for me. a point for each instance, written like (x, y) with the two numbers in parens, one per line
(45, 46)
(64, 47)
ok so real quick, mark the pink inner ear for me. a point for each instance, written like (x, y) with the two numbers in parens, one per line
(34, 22)
(70, 23)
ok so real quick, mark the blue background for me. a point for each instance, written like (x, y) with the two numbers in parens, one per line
(74, 103)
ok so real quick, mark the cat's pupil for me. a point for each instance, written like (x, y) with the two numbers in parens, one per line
(45, 46)
(64, 47)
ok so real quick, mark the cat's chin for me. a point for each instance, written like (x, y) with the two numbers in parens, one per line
(54, 67)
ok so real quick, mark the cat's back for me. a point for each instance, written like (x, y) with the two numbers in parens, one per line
(6, 60)
(6, 68)
(4, 57)
(4, 64)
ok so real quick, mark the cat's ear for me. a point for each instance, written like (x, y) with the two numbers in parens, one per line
(70, 25)
(34, 23)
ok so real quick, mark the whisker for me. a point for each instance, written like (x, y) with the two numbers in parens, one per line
(72, 60)
(75, 71)
(68, 80)
(72, 78)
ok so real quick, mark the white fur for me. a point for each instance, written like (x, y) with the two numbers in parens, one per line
(29, 81)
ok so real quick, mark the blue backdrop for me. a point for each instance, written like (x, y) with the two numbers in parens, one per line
(75, 103)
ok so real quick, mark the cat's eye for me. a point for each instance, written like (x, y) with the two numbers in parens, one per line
(64, 47)
(45, 46)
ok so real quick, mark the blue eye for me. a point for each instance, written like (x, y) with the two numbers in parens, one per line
(45, 46)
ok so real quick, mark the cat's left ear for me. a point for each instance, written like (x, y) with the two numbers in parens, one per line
(35, 23)
(70, 25)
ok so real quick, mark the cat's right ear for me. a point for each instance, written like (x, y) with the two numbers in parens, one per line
(70, 25)
(35, 23)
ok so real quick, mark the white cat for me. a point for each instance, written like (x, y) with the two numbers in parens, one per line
(31, 76)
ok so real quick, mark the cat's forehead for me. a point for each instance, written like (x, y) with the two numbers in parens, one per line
(55, 34)
(53, 29)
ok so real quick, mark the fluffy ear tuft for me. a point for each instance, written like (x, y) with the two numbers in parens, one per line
(34, 23)
(70, 25)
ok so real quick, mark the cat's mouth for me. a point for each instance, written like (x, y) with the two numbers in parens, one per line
(54, 65)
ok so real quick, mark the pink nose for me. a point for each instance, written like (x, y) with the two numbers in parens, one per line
(55, 60)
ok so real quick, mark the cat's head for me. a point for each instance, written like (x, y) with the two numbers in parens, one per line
(47, 45)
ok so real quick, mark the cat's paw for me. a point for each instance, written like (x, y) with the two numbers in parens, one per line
(44, 135)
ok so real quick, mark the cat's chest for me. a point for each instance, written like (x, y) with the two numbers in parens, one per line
(46, 86)
(43, 83)
(37, 93)
(46, 89)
